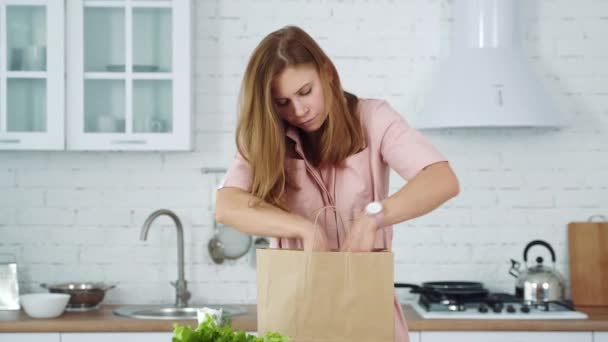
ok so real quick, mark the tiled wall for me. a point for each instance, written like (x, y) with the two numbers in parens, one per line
(77, 216)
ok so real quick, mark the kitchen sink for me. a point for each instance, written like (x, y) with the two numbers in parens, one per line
(172, 312)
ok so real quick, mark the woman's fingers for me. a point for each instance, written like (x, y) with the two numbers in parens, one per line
(346, 245)
(320, 243)
(358, 242)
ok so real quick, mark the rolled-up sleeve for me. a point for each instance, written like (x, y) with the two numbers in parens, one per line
(238, 174)
(402, 147)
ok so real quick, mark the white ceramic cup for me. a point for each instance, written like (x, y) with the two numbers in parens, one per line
(34, 57)
(106, 123)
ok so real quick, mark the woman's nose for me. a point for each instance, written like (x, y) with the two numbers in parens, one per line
(300, 108)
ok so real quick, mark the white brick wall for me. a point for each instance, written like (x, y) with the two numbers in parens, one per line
(76, 216)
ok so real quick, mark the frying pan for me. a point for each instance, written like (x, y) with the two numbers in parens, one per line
(447, 289)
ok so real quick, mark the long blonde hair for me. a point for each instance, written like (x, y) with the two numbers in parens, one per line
(260, 133)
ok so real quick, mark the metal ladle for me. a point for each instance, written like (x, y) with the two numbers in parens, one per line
(215, 246)
(218, 249)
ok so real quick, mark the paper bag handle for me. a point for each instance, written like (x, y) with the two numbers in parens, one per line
(318, 213)
(320, 210)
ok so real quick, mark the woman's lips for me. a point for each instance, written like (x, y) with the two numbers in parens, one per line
(308, 122)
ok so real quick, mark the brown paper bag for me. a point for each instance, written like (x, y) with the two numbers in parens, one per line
(326, 296)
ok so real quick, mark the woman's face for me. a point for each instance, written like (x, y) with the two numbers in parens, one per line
(298, 97)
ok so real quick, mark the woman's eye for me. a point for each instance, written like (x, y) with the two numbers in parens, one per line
(306, 92)
(281, 103)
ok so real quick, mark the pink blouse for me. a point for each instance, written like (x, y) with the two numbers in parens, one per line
(364, 177)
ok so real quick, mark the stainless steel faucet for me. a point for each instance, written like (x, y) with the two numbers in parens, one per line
(181, 288)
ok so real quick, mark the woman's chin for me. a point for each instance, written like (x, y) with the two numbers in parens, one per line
(310, 129)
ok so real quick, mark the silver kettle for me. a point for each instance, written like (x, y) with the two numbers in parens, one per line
(538, 284)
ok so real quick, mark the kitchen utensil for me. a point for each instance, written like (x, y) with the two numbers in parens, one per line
(227, 243)
(44, 305)
(115, 68)
(83, 296)
(136, 68)
(34, 57)
(259, 242)
(441, 290)
(145, 68)
(9, 285)
(216, 247)
(106, 124)
(538, 284)
(16, 59)
(588, 253)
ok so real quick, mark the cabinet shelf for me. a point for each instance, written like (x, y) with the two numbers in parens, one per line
(27, 74)
(123, 75)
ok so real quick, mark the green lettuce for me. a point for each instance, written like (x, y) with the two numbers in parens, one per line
(208, 331)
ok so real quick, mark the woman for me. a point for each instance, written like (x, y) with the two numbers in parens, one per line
(304, 144)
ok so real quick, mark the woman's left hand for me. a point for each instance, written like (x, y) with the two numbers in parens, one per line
(361, 236)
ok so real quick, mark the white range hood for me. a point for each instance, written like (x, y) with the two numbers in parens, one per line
(487, 81)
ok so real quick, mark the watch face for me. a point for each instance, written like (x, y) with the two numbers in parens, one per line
(374, 208)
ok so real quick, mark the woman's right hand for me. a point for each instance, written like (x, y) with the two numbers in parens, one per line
(315, 239)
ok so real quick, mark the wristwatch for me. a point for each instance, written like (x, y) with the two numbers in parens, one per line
(376, 210)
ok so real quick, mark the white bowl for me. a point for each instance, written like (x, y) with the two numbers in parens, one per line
(44, 305)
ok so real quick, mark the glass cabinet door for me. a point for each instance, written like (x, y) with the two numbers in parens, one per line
(26, 105)
(31, 100)
(26, 58)
(130, 80)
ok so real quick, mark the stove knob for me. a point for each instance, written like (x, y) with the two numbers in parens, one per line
(497, 307)
(525, 309)
(483, 308)
(510, 308)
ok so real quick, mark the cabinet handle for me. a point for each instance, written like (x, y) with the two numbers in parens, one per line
(130, 142)
(10, 141)
(206, 170)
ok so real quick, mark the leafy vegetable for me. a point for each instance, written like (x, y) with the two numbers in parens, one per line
(208, 331)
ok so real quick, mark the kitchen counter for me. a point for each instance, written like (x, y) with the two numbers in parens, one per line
(103, 320)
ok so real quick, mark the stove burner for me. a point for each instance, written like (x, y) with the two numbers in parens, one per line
(491, 303)
(457, 299)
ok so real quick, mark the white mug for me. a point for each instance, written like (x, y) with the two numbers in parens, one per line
(148, 124)
(106, 123)
(34, 58)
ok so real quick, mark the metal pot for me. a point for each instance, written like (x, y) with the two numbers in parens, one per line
(83, 296)
(538, 284)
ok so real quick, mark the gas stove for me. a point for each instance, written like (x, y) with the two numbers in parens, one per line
(493, 306)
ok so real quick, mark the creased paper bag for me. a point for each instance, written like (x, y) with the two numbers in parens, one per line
(326, 296)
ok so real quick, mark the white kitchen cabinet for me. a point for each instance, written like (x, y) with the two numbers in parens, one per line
(29, 337)
(32, 85)
(129, 78)
(600, 336)
(505, 336)
(414, 336)
(118, 337)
